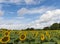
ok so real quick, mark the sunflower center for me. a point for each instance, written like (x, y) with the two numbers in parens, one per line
(42, 36)
(22, 36)
(5, 39)
(6, 33)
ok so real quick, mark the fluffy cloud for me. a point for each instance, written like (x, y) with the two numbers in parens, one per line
(17, 2)
(1, 12)
(4, 1)
(13, 26)
(24, 11)
(50, 15)
(1, 1)
(28, 2)
(40, 10)
(12, 1)
(48, 18)
(32, 2)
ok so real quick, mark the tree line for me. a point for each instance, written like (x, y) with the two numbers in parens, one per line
(55, 26)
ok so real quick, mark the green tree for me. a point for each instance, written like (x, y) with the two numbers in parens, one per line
(46, 28)
(54, 26)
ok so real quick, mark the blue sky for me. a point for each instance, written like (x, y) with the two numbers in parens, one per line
(21, 14)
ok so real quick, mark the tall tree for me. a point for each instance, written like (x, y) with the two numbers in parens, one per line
(54, 26)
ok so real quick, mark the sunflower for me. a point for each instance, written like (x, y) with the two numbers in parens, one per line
(47, 33)
(34, 33)
(5, 39)
(7, 33)
(25, 32)
(20, 32)
(22, 37)
(42, 37)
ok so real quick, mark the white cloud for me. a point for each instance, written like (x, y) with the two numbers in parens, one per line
(34, 2)
(24, 11)
(13, 26)
(1, 1)
(1, 12)
(42, 9)
(11, 1)
(17, 2)
(50, 15)
(28, 2)
(46, 19)
(4, 1)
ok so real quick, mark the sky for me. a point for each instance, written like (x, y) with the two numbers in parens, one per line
(22, 14)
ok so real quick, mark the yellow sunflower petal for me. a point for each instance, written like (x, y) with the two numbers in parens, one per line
(22, 37)
(42, 37)
(5, 39)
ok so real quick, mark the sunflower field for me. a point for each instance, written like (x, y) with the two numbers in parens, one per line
(30, 37)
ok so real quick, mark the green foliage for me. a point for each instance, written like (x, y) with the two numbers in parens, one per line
(55, 26)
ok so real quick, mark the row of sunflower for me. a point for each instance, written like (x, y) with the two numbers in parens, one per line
(6, 37)
(23, 35)
(34, 34)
